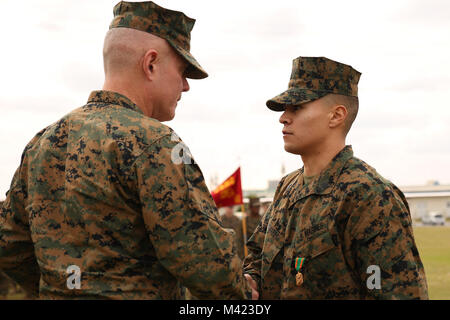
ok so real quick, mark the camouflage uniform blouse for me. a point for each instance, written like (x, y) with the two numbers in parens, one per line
(99, 189)
(345, 220)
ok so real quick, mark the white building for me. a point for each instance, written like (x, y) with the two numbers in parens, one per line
(432, 197)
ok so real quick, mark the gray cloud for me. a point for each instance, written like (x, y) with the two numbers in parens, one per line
(52, 105)
(421, 82)
(427, 14)
(273, 25)
(80, 76)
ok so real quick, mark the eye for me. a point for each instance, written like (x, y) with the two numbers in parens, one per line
(294, 109)
(184, 68)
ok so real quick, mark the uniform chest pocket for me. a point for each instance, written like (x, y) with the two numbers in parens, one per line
(272, 246)
(321, 272)
(316, 250)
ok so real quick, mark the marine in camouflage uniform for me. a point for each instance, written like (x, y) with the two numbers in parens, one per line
(338, 223)
(5, 282)
(252, 220)
(9, 288)
(116, 193)
(230, 221)
(253, 217)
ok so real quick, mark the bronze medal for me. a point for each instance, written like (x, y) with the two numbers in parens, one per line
(299, 276)
(299, 279)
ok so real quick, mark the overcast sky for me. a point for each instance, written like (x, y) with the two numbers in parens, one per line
(50, 60)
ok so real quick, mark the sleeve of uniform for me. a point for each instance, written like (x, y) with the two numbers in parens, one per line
(17, 257)
(183, 224)
(253, 261)
(382, 245)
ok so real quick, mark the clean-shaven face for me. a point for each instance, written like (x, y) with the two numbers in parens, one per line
(171, 83)
(305, 127)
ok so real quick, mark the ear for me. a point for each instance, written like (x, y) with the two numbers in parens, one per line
(338, 114)
(149, 63)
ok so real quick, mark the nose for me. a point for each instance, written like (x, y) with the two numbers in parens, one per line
(284, 119)
(185, 85)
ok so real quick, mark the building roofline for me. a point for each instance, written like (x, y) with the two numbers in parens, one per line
(435, 194)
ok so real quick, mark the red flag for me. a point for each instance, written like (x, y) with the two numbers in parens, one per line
(229, 193)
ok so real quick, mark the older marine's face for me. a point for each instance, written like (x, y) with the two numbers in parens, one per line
(171, 84)
(305, 127)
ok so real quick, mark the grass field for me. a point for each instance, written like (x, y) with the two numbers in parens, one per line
(434, 249)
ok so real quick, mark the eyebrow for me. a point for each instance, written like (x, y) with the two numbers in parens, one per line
(184, 66)
(294, 107)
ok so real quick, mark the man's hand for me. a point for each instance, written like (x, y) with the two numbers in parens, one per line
(253, 285)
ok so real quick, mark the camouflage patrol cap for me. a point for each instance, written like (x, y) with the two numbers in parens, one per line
(254, 202)
(174, 26)
(315, 77)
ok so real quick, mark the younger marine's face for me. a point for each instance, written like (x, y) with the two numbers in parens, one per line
(305, 127)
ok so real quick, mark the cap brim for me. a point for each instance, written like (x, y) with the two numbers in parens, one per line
(194, 70)
(293, 97)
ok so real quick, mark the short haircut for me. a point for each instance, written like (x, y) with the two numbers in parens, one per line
(350, 103)
(124, 47)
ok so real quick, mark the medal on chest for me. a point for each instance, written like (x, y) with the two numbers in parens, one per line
(299, 276)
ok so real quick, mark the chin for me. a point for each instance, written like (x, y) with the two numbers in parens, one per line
(168, 117)
(171, 114)
(291, 149)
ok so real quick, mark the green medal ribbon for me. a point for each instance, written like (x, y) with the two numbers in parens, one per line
(299, 263)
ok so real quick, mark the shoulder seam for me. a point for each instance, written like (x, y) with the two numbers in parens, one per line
(150, 145)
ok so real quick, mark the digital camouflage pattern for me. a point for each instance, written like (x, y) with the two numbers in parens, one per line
(9, 289)
(99, 189)
(345, 220)
(315, 77)
(174, 26)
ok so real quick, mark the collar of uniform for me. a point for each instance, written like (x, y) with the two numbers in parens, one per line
(324, 182)
(110, 97)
